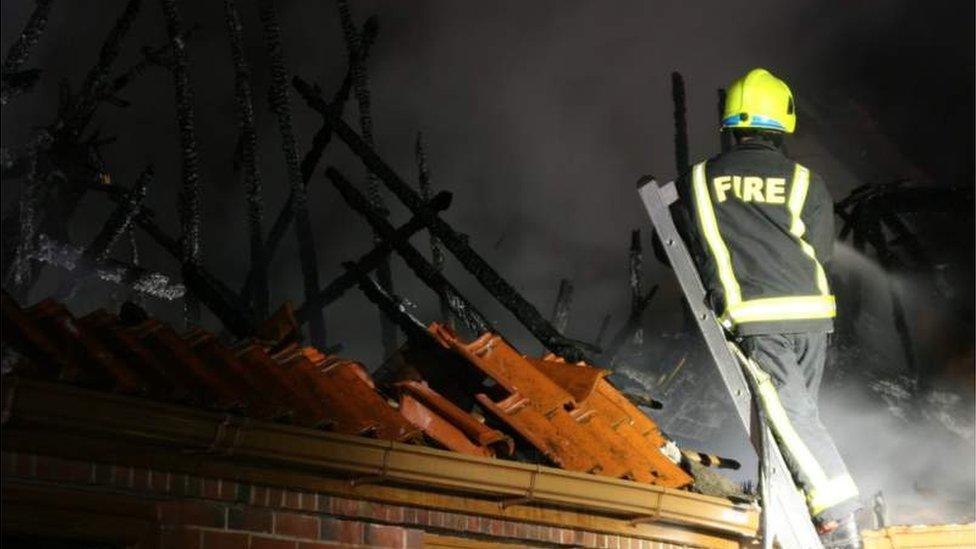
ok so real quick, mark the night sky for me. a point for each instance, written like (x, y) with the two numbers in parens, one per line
(539, 117)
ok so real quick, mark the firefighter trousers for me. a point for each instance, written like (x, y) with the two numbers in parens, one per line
(790, 368)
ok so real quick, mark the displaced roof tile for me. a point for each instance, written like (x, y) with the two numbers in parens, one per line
(568, 412)
(584, 435)
(449, 425)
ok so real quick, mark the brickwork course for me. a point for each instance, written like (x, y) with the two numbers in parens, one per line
(187, 511)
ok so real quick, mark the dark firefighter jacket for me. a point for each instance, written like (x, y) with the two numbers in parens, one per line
(760, 227)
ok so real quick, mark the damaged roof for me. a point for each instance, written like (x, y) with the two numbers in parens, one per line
(477, 397)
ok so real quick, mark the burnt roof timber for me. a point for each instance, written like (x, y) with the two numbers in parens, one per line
(500, 288)
(369, 261)
(463, 309)
(311, 159)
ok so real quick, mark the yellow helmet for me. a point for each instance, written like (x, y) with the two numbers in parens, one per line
(759, 100)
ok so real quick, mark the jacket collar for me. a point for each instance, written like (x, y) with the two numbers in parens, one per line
(754, 144)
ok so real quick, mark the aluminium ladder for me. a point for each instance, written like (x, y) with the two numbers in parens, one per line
(785, 521)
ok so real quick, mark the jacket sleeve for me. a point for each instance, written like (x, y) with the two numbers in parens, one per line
(818, 216)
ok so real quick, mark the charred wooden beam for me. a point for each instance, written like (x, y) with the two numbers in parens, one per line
(320, 141)
(121, 218)
(564, 300)
(97, 79)
(680, 124)
(73, 258)
(681, 163)
(527, 314)
(223, 302)
(361, 87)
(14, 161)
(214, 294)
(21, 270)
(390, 305)
(133, 245)
(725, 138)
(133, 258)
(150, 57)
(278, 97)
(24, 223)
(58, 164)
(436, 251)
(189, 195)
(360, 81)
(370, 260)
(254, 190)
(14, 80)
(20, 50)
(462, 308)
(636, 264)
(118, 222)
(17, 83)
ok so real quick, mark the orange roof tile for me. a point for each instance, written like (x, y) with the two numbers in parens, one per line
(567, 412)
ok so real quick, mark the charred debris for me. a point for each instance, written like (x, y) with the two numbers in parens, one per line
(64, 163)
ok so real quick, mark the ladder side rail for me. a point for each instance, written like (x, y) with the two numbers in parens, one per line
(657, 200)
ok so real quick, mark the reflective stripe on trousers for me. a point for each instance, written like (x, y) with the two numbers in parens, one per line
(788, 368)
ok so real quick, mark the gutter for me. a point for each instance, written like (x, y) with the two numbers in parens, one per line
(32, 406)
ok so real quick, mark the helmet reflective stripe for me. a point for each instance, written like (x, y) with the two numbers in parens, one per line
(759, 100)
(760, 121)
(757, 121)
(822, 493)
(737, 310)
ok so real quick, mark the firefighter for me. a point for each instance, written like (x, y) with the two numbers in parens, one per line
(761, 228)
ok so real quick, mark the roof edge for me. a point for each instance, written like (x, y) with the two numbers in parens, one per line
(57, 408)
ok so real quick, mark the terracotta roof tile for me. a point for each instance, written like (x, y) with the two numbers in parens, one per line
(145, 356)
(568, 412)
(593, 434)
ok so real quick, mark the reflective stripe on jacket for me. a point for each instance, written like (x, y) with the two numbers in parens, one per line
(761, 227)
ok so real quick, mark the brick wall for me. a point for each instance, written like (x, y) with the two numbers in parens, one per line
(183, 510)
